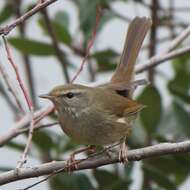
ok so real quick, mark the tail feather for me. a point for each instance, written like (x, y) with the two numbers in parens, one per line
(137, 31)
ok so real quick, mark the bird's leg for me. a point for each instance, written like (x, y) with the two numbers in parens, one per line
(123, 151)
(72, 163)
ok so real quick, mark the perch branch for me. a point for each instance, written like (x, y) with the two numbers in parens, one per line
(96, 161)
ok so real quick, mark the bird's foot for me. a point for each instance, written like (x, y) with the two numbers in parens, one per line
(123, 152)
(72, 163)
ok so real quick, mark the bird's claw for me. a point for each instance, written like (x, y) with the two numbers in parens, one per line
(123, 153)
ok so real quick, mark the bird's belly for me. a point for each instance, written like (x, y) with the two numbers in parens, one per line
(92, 132)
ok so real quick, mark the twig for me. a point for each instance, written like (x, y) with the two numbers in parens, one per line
(161, 57)
(156, 60)
(55, 44)
(24, 91)
(179, 39)
(117, 14)
(21, 126)
(40, 5)
(153, 35)
(26, 59)
(9, 101)
(23, 159)
(97, 161)
(28, 101)
(37, 127)
(90, 44)
(10, 87)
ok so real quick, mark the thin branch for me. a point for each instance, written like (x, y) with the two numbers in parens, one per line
(96, 161)
(161, 57)
(14, 66)
(40, 5)
(179, 39)
(9, 101)
(26, 59)
(90, 44)
(156, 60)
(28, 101)
(10, 87)
(23, 159)
(55, 44)
(153, 35)
(21, 126)
(117, 14)
(37, 127)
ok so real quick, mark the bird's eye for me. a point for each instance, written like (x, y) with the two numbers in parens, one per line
(69, 95)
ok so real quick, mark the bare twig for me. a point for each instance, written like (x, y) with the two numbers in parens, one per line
(28, 101)
(24, 91)
(21, 126)
(10, 102)
(178, 40)
(10, 87)
(161, 57)
(40, 5)
(90, 44)
(156, 60)
(153, 35)
(117, 14)
(23, 159)
(37, 127)
(96, 161)
(26, 59)
(55, 44)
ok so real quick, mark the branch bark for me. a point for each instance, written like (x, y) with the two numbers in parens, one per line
(20, 126)
(96, 161)
(156, 60)
(5, 30)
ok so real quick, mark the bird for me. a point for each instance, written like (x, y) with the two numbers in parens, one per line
(104, 114)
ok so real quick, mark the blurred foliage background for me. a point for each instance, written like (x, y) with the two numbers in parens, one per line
(161, 121)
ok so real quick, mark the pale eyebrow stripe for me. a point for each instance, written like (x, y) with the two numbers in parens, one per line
(65, 93)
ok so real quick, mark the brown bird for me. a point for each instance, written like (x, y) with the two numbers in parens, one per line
(103, 115)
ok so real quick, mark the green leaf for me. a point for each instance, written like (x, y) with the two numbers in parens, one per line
(106, 59)
(32, 47)
(62, 18)
(171, 124)
(5, 169)
(105, 178)
(151, 115)
(175, 166)
(16, 146)
(74, 182)
(110, 181)
(182, 64)
(43, 140)
(87, 17)
(138, 131)
(61, 32)
(180, 86)
(183, 117)
(159, 177)
(6, 13)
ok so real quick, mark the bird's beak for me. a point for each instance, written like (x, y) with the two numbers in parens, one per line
(46, 96)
